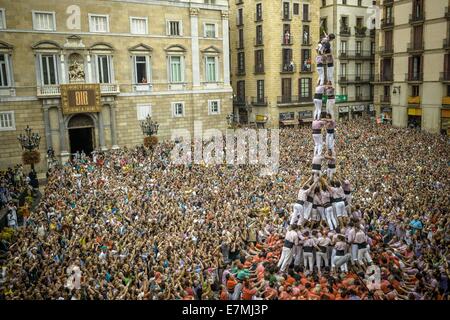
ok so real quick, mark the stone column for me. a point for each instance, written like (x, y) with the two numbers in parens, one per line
(226, 48)
(48, 133)
(112, 117)
(89, 66)
(63, 69)
(101, 132)
(65, 155)
(195, 47)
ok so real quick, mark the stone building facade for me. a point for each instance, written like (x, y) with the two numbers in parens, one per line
(272, 56)
(354, 52)
(412, 85)
(167, 59)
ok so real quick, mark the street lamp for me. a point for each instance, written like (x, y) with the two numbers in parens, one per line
(149, 129)
(29, 142)
(395, 90)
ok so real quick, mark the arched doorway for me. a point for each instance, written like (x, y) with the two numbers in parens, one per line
(81, 134)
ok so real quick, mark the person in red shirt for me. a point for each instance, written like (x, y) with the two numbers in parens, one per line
(248, 291)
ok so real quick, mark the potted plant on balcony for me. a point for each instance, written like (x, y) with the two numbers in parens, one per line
(360, 30)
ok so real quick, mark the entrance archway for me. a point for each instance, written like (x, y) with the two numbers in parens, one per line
(81, 134)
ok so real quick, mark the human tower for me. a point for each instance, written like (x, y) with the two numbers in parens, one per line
(323, 197)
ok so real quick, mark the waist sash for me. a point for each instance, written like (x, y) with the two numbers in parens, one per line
(288, 244)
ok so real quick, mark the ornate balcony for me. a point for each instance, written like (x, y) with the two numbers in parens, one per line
(414, 77)
(259, 101)
(385, 99)
(55, 90)
(417, 18)
(387, 23)
(414, 100)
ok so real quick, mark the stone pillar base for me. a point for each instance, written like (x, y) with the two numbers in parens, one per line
(65, 156)
(115, 147)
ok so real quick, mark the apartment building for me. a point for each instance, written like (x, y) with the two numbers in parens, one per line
(272, 57)
(83, 74)
(412, 86)
(354, 53)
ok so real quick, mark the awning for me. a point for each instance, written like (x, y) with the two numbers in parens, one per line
(414, 112)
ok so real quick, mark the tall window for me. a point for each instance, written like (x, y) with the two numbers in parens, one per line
(305, 12)
(358, 69)
(104, 73)
(417, 37)
(415, 91)
(306, 60)
(241, 38)
(358, 92)
(2, 19)
(305, 90)
(260, 90)
(343, 46)
(359, 22)
(241, 62)
(211, 69)
(175, 66)
(286, 89)
(388, 13)
(48, 70)
(7, 121)
(359, 3)
(388, 40)
(358, 47)
(259, 34)
(344, 90)
(210, 30)
(286, 11)
(287, 58)
(344, 69)
(98, 23)
(241, 90)
(296, 9)
(240, 17)
(4, 71)
(44, 21)
(258, 11)
(174, 28)
(259, 61)
(142, 69)
(306, 34)
(138, 25)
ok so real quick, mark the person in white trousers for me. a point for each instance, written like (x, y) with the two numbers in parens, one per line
(317, 126)
(331, 125)
(290, 240)
(320, 89)
(361, 240)
(320, 68)
(323, 241)
(308, 247)
(341, 257)
(331, 99)
(298, 216)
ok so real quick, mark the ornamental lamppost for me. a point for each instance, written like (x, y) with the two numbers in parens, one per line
(150, 130)
(30, 142)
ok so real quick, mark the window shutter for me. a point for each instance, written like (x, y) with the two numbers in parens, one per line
(147, 68)
(446, 65)
(133, 69)
(410, 65)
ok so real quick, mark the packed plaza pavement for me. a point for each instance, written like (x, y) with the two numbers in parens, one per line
(129, 224)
